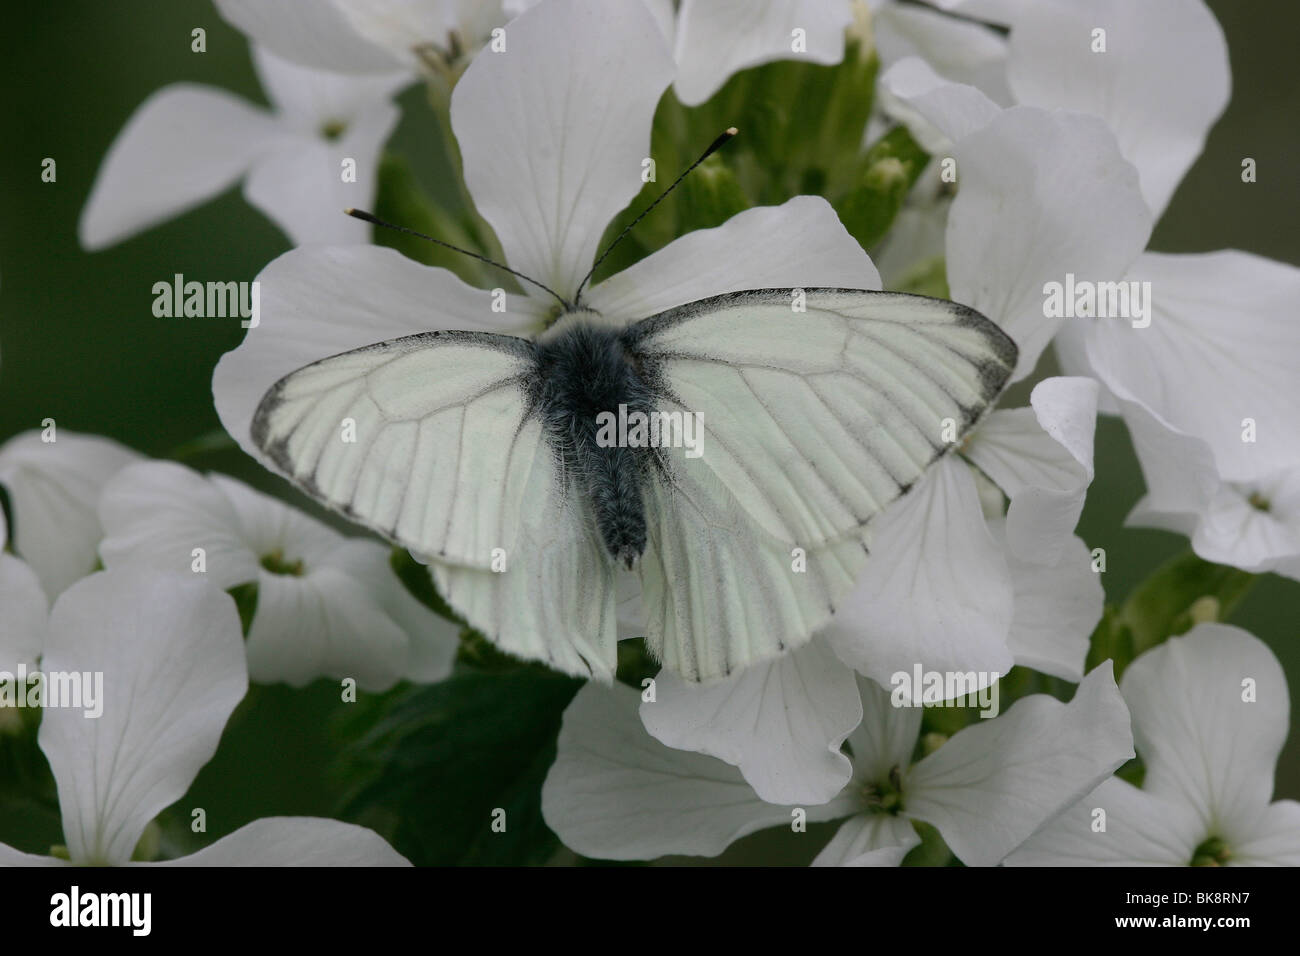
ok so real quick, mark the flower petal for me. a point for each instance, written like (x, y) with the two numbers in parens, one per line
(552, 154)
(1056, 192)
(1179, 471)
(616, 793)
(781, 722)
(1115, 825)
(1179, 366)
(799, 244)
(883, 742)
(318, 302)
(172, 659)
(1042, 458)
(181, 147)
(309, 99)
(1274, 840)
(296, 841)
(960, 50)
(716, 38)
(155, 513)
(1161, 83)
(1209, 738)
(937, 111)
(869, 839)
(1057, 607)
(26, 614)
(315, 34)
(994, 783)
(327, 623)
(936, 590)
(54, 490)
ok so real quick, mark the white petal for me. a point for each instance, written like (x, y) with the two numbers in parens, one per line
(1057, 607)
(799, 244)
(937, 111)
(182, 146)
(327, 623)
(1202, 743)
(26, 612)
(156, 513)
(1115, 825)
(1234, 531)
(551, 154)
(716, 38)
(54, 490)
(616, 793)
(960, 50)
(318, 302)
(172, 659)
(1197, 369)
(1274, 840)
(315, 34)
(884, 740)
(1179, 470)
(781, 722)
(308, 99)
(1042, 458)
(296, 841)
(1055, 191)
(299, 184)
(994, 783)
(1161, 84)
(402, 26)
(869, 839)
(11, 857)
(936, 590)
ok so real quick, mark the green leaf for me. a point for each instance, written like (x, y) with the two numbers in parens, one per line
(439, 761)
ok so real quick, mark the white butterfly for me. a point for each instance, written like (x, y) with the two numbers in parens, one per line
(472, 447)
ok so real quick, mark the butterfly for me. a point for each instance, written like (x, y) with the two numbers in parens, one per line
(496, 460)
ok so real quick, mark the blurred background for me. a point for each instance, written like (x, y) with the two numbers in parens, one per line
(79, 343)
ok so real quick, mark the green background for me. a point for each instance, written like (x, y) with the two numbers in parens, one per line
(79, 343)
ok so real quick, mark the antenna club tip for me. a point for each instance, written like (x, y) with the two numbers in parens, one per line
(349, 211)
(732, 131)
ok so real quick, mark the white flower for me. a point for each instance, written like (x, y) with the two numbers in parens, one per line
(189, 143)
(1201, 308)
(378, 36)
(53, 488)
(172, 661)
(615, 793)
(1210, 715)
(1253, 524)
(327, 606)
(1159, 76)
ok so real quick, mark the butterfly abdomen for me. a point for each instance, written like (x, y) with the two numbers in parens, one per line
(585, 377)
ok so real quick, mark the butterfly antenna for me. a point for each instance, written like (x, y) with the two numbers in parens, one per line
(375, 220)
(716, 145)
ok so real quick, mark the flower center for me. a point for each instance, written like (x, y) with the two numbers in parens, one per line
(1213, 852)
(277, 563)
(885, 796)
(1259, 502)
(333, 129)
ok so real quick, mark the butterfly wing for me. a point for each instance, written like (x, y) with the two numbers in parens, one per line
(426, 439)
(813, 422)
(446, 460)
